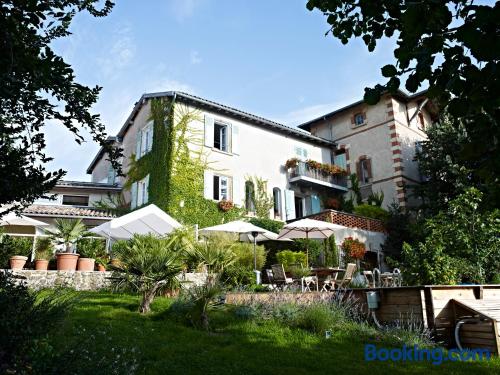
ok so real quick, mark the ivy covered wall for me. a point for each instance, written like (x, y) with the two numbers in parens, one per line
(176, 166)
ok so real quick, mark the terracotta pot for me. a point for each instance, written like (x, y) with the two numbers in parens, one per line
(67, 261)
(41, 265)
(17, 262)
(86, 264)
(101, 268)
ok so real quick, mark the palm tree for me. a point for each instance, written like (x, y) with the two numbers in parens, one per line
(150, 264)
(67, 232)
(215, 253)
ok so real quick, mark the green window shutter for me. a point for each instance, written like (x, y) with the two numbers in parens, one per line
(315, 204)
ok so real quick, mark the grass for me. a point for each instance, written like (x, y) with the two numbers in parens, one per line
(105, 334)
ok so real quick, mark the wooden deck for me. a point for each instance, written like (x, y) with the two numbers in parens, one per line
(436, 307)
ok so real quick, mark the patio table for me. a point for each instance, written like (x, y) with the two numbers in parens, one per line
(324, 273)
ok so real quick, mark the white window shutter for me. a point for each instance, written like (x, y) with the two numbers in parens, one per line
(289, 204)
(133, 193)
(238, 192)
(235, 135)
(146, 190)
(138, 143)
(208, 186)
(209, 131)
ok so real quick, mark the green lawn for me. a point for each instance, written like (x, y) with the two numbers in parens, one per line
(104, 334)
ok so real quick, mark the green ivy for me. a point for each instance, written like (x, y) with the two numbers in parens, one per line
(176, 166)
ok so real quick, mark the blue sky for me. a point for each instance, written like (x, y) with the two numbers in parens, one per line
(270, 58)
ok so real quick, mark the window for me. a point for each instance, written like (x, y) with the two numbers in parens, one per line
(75, 200)
(301, 152)
(144, 141)
(220, 137)
(339, 159)
(364, 169)
(249, 196)
(277, 202)
(221, 188)
(111, 178)
(359, 119)
(139, 192)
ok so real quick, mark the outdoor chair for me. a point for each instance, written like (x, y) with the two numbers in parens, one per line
(279, 277)
(344, 283)
(369, 278)
(270, 278)
(308, 282)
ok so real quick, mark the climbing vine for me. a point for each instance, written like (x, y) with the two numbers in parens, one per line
(176, 167)
(262, 202)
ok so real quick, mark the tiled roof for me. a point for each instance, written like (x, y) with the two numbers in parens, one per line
(69, 211)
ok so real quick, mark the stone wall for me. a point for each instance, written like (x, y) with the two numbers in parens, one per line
(79, 280)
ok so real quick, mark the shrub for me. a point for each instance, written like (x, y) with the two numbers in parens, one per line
(315, 318)
(197, 301)
(91, 247)
(371, 211)
(44, 249)
(150, 264)
(10, 246)
(268, 224)
(290, 258)
(25, 317)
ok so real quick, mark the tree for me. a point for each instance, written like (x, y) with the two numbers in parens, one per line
(446, 174)
(38, 86)
(455, 48)
(150, 264)
(462, 244)
(67, 232)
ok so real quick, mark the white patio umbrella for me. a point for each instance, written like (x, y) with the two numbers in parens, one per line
(247, 232)
(309, 229)
(13, 219)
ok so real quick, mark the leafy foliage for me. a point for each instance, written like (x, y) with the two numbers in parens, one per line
(44, 248)
(10, 246)
(447, 174)
(215, 253)
(150, 264)
(268, 224)
(455, 48)
(291, 258)
(462, 244)
(262, 201)
(91, 247)
(374, 212)
(66, 232)
(26, 317)
(331, 252)
(38, 87)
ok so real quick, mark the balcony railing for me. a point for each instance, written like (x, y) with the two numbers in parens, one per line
(303, 170)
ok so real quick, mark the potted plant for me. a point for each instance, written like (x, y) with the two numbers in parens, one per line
(44, 251)
(89, 250)
(225, 205)
(21, 247)
(102, 263)
(66, 233)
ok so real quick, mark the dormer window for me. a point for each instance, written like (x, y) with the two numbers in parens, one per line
(359, 119)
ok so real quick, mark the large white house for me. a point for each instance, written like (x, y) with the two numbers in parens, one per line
(238, 145)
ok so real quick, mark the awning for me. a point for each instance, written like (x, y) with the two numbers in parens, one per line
(147, 220)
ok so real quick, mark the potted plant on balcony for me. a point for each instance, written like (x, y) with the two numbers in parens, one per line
(44, 251)
(291, 163)
(65, 233)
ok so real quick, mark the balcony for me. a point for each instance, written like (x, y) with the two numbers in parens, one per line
(302, 173)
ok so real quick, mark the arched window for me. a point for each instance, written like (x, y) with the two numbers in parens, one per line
(249, 196)
(277, 202)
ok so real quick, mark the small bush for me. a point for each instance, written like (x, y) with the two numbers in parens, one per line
(90, 247)
(44, 249)
(370, 211)
(269, 224)
(315, 319)
(25, 317)
(10, 246)
(291, 258)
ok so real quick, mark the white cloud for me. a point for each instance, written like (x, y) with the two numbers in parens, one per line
(195, 58)
(120, 54)
(183, 9)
